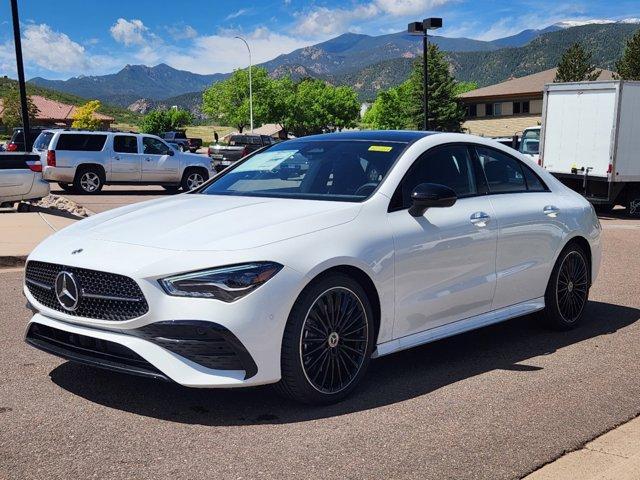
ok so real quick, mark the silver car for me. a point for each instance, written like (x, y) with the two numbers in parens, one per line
(85, 161)
(20, 178)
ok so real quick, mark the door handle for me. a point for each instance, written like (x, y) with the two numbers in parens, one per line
(148, 159)
(116, 157)
(551, 211)
(480, 219)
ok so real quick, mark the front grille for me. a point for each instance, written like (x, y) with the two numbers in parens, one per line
(103, 296)
(90, 351)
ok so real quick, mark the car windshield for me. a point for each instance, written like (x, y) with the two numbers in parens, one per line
(530, 142)
(343, 170)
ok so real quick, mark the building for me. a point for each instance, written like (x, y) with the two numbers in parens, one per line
(507, 108)
(57, 114)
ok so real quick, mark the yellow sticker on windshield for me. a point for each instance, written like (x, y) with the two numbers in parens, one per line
(380, 148)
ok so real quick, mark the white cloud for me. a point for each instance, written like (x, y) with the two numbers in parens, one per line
(224, 53)
(129, 32)
(331, 21)
(52, 50)
(182, 32)
(236, 14)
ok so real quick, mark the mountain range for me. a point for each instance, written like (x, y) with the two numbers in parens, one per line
(368, 63)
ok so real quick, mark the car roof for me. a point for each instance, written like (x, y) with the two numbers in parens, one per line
(405, 136)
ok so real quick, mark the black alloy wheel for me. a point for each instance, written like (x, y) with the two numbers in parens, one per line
(568, 289)
(328, 341)
(334, 338)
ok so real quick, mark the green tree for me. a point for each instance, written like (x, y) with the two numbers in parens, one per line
(155, 122)
(310, 106)
(84, 118)
(575, 66)
(446, 113)
(179, 118)
(464, 87)
(158, 121)
(227, 102)
(391, 110)
(12, 113)
(628, 67)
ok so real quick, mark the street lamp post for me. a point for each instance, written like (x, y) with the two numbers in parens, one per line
(20, 68)
(250, 85)
(422, 28)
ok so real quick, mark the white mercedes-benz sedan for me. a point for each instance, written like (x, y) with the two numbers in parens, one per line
(300, 263)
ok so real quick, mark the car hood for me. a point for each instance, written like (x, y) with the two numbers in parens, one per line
(193, 222)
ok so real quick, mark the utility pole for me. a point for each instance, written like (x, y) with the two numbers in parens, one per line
(20, 68)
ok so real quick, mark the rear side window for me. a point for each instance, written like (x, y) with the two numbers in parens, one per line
(43, 141)
(503, 173)
(125, 144)
(81, 142)
(534, 183)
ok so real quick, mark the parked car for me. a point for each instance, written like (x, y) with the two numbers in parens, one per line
(85, 161)
(21, 178)
(16, 143)
(180, 137)
(387, 241)
(590, 140)
(239, 147)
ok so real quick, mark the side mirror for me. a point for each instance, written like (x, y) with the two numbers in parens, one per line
(171, 152)
(431, 195)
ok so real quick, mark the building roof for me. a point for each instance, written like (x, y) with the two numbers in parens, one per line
(269, 129)
(522, 86)
(51, 110)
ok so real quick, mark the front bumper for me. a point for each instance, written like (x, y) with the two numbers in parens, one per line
(239, 346)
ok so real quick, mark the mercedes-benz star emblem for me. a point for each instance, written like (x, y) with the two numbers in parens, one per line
(67, 291)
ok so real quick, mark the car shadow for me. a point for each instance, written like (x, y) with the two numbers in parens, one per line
(390, 379)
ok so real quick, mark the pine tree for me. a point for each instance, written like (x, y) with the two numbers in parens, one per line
(446, 113)
(628, 66)
(575, 66)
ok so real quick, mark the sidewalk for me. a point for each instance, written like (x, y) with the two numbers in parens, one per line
(612, 456)
(21, 232)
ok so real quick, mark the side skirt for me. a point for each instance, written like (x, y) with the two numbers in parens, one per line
(458, 327)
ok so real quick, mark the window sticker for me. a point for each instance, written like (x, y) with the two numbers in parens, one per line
(380, 148)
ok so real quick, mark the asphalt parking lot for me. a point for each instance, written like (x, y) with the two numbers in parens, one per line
(492, 404)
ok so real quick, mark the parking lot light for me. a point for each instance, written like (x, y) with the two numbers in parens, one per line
(422, 28)
(250, 86)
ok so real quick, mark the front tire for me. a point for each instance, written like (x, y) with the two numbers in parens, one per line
(327, 342)
(67, 187)
(568, 289)
(193, 178)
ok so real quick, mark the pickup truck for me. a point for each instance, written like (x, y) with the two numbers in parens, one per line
(240, 146)
(180, 137)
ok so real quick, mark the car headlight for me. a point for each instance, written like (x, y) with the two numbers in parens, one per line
(225, 283)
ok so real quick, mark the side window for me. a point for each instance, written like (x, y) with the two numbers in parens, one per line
(503, 173)
(125, 144)
(534, 183)
(449, 165)
(81, 142)
(153, 146)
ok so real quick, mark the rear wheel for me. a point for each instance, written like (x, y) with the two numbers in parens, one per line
(327, 342)
(88, 180)
(633, 206)
(193, 178)
(568, 289)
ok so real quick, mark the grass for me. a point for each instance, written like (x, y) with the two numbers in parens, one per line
(205, 132)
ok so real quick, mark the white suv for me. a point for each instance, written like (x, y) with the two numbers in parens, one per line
(85, 161)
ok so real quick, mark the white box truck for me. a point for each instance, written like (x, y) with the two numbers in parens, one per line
(590, 140)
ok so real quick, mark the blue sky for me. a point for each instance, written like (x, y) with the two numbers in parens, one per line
(66, 38)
